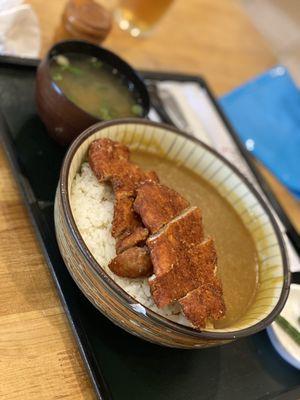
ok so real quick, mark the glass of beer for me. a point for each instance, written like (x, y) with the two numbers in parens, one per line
(139, 16)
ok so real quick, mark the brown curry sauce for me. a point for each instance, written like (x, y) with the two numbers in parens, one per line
(237, 256)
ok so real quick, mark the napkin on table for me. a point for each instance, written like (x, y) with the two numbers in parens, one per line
(19, 29)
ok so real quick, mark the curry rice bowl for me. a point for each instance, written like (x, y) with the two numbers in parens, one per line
(92, 205)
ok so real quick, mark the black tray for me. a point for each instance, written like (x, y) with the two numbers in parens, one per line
(122, 366)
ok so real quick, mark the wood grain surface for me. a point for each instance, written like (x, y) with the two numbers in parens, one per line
(39, 358)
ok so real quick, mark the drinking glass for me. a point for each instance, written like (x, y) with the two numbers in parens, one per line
(138, 17)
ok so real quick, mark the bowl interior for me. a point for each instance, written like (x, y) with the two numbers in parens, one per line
(107, 57)
(232, 186)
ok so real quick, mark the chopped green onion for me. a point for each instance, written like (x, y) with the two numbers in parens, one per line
(289, 329)
(74, 70)
(57, 77)
(137, 110)
(96, 63)
(62, 67)
(104, 113)
(66, 66)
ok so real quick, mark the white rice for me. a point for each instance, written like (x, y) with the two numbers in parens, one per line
(92, 205)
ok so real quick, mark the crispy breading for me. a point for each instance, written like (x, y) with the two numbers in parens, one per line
(188, 269)
(175, 246)
(127, 177)
(157, 205)
(134, 262)
(125, 220)
(109, 161)
(205, 302)
(137, 237)
(185, 266)
(105, 157)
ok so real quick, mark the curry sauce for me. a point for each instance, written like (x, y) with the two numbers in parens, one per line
(237, 256)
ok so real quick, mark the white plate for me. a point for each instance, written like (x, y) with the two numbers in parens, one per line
(283, 343)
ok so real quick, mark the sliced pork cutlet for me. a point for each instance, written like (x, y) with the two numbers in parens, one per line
(204, 303)
(132, 263)
(167, 246)
(106, 158)
(130, 235)
(110, 161)
(184, 263)
(176, 252)
(157, 205)
(125, 220)
(137, 237)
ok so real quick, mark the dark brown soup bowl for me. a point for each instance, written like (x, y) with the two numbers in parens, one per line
(65, 120)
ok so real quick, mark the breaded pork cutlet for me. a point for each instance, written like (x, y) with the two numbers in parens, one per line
(110, 162)
(157, 205)
(205, 302)
(183, 262)
(132, 263)
(137, 237)
(180, 256)
(125, 220)
(185, 269)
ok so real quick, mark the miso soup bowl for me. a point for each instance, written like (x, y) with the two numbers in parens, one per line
(65, 120)
(122, 309)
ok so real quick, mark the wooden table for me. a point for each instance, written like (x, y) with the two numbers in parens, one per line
(39, 358)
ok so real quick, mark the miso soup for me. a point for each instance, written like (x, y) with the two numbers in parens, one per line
(96, 87)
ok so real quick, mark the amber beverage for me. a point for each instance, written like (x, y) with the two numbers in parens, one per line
(139, 16)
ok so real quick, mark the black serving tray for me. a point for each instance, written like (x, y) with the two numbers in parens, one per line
(121, 366)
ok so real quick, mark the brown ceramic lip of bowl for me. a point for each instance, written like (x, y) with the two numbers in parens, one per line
(121, 294)
(64, 119)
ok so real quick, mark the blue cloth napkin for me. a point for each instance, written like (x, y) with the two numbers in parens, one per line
(265, 112)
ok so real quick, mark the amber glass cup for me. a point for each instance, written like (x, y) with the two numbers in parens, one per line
(139, 17)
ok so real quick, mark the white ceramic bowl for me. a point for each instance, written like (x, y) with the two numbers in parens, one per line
(283, 343)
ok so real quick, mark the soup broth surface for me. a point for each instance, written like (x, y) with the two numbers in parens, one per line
(237, 256)
(96, 87)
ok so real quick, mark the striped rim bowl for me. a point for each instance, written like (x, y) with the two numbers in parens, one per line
(111, 299)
